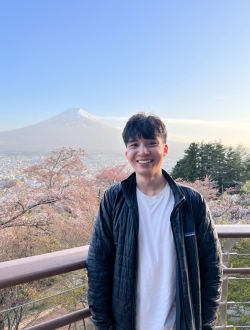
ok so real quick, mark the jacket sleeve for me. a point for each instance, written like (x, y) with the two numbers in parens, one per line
(100, 267)
(210, 266)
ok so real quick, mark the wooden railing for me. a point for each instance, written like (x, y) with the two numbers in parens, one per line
(29, 269)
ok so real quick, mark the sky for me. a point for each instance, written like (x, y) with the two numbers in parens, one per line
(185, 61)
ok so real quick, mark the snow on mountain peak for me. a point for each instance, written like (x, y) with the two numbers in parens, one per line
(75, 116)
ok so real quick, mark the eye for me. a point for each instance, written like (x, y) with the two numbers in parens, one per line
(133, 145)
(153, 143)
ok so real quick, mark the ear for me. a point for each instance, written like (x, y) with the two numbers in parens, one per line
(126, 152)
(165, 151)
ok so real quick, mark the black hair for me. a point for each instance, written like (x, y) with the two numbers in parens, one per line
(146, 126)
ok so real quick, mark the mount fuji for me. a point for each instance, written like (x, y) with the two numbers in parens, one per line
(72, 128)
(74, 118)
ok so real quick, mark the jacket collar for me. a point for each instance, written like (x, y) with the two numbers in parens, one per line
(129, 189)
(177, 192)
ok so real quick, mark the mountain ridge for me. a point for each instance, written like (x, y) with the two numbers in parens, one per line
(74, 128)
(74, 116)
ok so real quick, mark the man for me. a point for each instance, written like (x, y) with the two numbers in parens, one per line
(154, 261)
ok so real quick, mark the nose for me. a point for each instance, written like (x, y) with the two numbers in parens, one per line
(143, 150)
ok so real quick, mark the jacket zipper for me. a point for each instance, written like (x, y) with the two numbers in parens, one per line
(135, 275)
(179, 282)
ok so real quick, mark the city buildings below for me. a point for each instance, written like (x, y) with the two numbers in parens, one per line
(11, 166)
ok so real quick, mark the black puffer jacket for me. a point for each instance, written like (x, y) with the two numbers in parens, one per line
(112, 259)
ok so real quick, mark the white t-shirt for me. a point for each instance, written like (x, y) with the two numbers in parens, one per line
(156, 284)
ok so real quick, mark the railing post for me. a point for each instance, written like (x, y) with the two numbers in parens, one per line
(225, 260)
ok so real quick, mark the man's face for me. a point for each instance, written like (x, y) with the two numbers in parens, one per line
(146, 155)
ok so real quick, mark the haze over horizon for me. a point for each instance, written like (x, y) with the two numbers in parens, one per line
(186, 62)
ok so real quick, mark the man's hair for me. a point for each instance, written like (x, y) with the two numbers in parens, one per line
(145, 126)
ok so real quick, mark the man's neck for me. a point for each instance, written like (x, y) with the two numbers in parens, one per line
(152, 185)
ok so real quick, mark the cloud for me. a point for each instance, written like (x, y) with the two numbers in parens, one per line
(178, 138)
(208, 123)
(184, 121)
(189, 130)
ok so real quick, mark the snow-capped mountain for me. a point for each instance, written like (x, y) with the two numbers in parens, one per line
(74, 117)
(72, 128)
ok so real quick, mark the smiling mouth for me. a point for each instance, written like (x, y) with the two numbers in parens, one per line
(145, 161)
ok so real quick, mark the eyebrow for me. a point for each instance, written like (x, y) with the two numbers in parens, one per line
(135, 140)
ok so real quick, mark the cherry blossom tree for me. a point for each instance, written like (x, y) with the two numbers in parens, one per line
(55, 212)
(59, 187)
(207, 187)
(108, 176)
(225, 208)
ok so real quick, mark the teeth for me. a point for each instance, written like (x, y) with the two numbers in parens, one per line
(144, 161)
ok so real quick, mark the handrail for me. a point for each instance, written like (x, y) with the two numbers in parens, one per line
(29, 269)
(62, 321)
(24, 270)
(233, 231)
(236, 271)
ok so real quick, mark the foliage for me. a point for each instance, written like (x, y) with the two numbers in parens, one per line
(207, 188)
(109, 176)
(55, 213)
(112, 175)
(226, 207)
(239, 286)
(225, 165)
(58, 190)
(246, 187)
